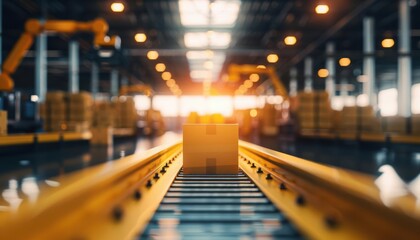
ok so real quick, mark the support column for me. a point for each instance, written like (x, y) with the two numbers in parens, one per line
(94, 79)
(404, 61)
(308, 74)
(293, 82)
(41, 67)
(73, 67)
(330, 81)
(369, 87)
(124, 81)
(114, 82)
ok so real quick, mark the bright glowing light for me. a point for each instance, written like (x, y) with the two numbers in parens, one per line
(200, 74)
(117, 7)
(245, 102)
(322, 9)
(388, 43)
(253, 113)
(204, 39)
(208, 65)
(142, 102)
(34, 98)
(220, 104)
(248, 84)
(140, 37)
(415, 100)
(290, 40)
(170, 83)
(272, 58)
(196, 12)
(166, 76)
(152, 55)
(167, 105)
(323, 73)
(191, 55)
(274, 99)
(344, 62)
(388, 102)
(261, 67)
(254, 77)
(160, 67)
(362, 100)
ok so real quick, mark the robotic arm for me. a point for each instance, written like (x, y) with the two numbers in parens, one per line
(236, 70)
(34, 27)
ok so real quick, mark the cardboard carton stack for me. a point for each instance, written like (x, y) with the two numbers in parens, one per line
(126, 116)
(368, 120)
(3, 123)
(101, 135)
(415, 124)
(55, 111)
(103, 114)
(395, 124)
(314, 110)
(325, 119)
(268, 120)
(80, 111)
(349, 122)
(210, 149)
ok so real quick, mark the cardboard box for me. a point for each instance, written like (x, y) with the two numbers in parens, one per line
(3, 123)
(210, 148)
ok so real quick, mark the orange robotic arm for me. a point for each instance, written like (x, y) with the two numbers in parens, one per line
(34, 27)
(235, 72)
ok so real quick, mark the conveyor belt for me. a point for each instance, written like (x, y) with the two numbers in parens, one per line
(217, 207)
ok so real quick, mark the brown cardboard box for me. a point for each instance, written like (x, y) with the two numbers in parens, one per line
(101, 136)
(3, 123)
(210, 148)
(415, 124)
(395, 124)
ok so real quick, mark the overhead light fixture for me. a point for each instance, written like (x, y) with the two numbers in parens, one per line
(152, 55)
(344, 62)
(290, 40)
(322, 9)
(160, 67)
(323, 73)
(261, 67)
(166, 76)
(272, 58)
(170, 83)
(207, 39)
(117, 7)
(254, 77)
(388, 43)
(208, 65)
(140, 37)
(248, 84)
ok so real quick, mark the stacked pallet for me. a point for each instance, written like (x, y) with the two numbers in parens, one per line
(101, 135)
(395, 124)
(126, 113)
(80, 111)
(103, 114)
(55, 116)
(314, 111)
(268, 119)
(3, 123)
(368, 120)
(348, 119)
(415, 124)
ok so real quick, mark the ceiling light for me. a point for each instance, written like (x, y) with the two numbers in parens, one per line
(290, 40)
(117, 7)
(323, 73)
(248, 84)
(254, 77)
(160, 67)
(322, 9)
(272, 58)
(261, 67)
(208, 65)
(204, 39)
(166, 76)
(170, 83)
(344, 62)
(388, 43)
(140, 37)
(152, 55)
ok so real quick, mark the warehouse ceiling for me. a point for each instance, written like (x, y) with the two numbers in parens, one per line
(198, 40)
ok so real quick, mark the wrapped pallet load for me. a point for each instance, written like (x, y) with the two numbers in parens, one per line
(80, 111)
(55, 111)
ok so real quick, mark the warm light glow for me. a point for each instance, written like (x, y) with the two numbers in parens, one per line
(261, 67)
(254, 77)
(248, 84)
(272, 58)
(140, 37)
(152, 55)
(290, 40)
(170, 83)
(160, 67)
(415, 99)
(388, 102)
(117, 7)
(253, 113)
(323, 73)
(208, 65)
(34, 98)
(166, 76)
(362, 100)
(388, 43)
(344, 62)
(322, 9)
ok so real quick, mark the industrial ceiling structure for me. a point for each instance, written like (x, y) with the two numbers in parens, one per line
(197, 40)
